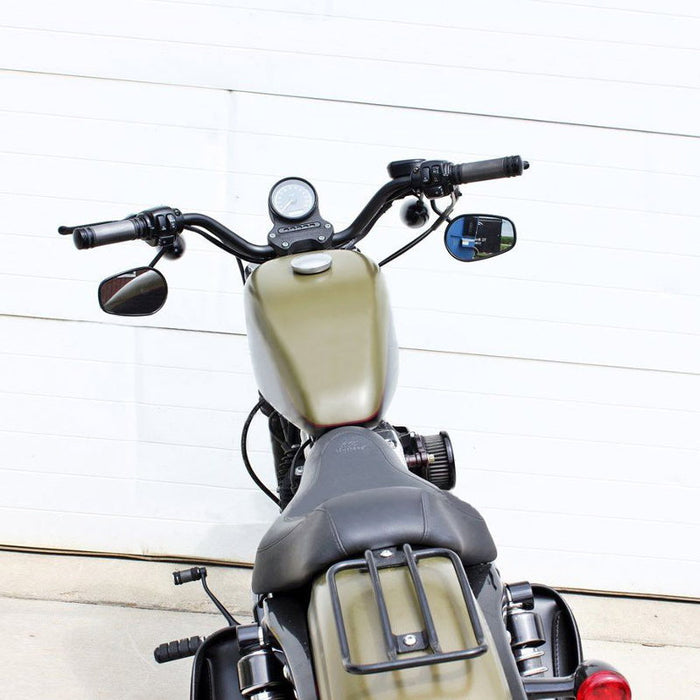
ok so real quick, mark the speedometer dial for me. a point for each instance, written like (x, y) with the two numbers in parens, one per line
(293, 198)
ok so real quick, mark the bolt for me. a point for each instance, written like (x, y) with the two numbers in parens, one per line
(410, 640)
(321, 238)
(385, 553)
(326, 225)
(273, 235)
(285, 244)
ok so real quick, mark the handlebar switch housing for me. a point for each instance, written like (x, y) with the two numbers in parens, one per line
(403, 168)
(163, 225)
(433, 178)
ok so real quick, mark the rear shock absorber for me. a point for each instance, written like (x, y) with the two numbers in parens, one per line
(261, 676)
(525, 628)
(262, 673)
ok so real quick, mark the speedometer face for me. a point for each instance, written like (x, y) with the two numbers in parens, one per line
(293, 198)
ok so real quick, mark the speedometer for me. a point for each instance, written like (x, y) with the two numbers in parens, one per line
(293, 198)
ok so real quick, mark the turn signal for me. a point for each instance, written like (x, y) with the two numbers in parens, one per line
(604, 685)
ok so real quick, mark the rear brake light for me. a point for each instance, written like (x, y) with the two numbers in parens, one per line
(604, 685)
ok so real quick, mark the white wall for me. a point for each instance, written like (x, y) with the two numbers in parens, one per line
(566, 372)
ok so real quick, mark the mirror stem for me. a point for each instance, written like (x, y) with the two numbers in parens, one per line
(159, 255)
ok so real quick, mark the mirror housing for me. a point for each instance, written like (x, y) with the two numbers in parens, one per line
(138, 292)
(472, 237)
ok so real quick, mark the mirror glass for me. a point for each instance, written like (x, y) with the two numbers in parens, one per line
(479, 236)
(138, 292)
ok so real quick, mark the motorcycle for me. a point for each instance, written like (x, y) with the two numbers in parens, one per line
(374, 581)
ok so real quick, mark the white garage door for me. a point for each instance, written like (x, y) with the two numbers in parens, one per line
(566, 372)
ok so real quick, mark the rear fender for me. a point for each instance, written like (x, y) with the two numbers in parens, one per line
(471, 679)
(214, 671)
(562, 647)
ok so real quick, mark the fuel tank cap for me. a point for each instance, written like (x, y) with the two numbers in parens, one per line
(311, 263)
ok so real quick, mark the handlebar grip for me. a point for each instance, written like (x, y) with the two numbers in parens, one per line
(179, 649)
(106, 233)
(510, 166)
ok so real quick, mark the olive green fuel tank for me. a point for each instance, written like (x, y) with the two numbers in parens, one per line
(322, 344)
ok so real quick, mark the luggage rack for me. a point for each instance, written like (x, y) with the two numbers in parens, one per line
(421, 640)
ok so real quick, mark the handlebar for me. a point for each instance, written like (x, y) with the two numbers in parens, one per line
(103, 233)
(383, 199)
(433, 179)
(161, 226)
(510, 166)
(239, 246)
(158, 226)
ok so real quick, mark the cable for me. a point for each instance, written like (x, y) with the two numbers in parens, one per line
(244, 454)
(439, 221)
(292, 475)
(219, 244)
(240, 269)
(300, 449)
(211, 239)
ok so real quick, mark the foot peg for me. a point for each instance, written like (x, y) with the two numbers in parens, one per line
(179, 649)
(199, 573)
(188, 575)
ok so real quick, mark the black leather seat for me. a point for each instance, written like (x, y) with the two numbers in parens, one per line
(357, 494)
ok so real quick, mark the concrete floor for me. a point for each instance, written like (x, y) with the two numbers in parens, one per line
(82, 628)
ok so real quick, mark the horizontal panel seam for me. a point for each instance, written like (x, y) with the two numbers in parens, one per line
(403, 346)
(232, 90)
(434, 25)
(345, 57)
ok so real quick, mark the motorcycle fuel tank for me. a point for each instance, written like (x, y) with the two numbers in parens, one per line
(321, 338)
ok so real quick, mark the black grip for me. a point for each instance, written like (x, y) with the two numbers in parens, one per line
(510, 166)
(189, 575)
(109, 232)
(179, 649)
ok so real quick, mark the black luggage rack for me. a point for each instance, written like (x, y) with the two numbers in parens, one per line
(421, 640)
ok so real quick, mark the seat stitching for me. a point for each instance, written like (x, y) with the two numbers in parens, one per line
(425, 518)
(334, 529)
(557, 661)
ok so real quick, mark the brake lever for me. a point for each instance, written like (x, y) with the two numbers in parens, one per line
(68, 230)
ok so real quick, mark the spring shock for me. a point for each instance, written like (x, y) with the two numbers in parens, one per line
(262, 674)
(525, 628)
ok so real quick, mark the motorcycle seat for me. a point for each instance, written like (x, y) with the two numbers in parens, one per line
(357, 494)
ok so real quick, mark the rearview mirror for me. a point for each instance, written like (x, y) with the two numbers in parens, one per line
(138, 292)
(479, 236)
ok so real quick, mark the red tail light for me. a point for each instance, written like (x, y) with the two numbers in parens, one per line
(604, 685)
